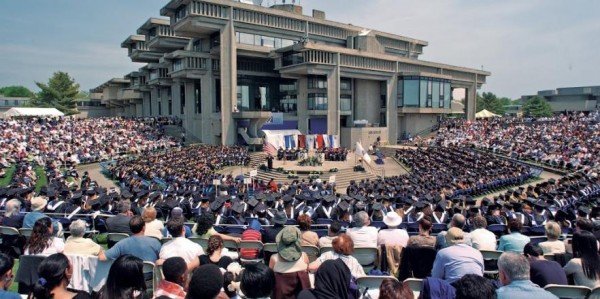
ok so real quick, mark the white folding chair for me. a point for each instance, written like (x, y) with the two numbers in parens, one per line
(258, 245)
(415, 284)
(568, 291)
(491, 255)
(366, 256)
(311, 251)
(371, 282)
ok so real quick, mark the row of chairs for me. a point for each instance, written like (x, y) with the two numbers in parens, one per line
(416, 285)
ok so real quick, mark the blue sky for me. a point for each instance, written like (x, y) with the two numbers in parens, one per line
(527, 45)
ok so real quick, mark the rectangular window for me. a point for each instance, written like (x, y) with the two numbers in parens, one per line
(217, 107)
(346, 102)
(400, 93)
(383, 94)
(197, 89)
(159, 108)
(246, 38)
(317, 82)
(346, 84)
(429, 93)
(243, 98)
(411, 93)
(317, 101)
(442, 94)
(182, 98)
(170, 106)
(197, 45)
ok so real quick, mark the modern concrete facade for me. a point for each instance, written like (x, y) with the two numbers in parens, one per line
(226, 67)
(585, 98)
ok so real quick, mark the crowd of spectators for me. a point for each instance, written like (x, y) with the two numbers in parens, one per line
(73, 140)
(563, 141)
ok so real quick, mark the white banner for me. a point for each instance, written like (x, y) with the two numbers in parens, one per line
(216, 182)
(253, 173)
(247, 181)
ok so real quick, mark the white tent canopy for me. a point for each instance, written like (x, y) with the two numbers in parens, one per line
(22, 111)
(485, 114)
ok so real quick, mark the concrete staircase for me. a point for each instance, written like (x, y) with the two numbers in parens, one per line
(342, 177)
(257, 159)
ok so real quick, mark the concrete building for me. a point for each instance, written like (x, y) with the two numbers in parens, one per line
(585, 98)
(227, 67)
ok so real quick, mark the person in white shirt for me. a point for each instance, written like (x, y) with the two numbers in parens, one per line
(553, 245)
(481, 238)
(392, 235)
(154, 227)
(42, 242)
(362, 234)
(179, 246)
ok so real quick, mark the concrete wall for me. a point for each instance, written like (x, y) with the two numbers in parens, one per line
(367, 136)
(415, 123)
(367, 100)
(572, 103)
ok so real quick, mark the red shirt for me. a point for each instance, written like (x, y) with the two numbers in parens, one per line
(250, 235)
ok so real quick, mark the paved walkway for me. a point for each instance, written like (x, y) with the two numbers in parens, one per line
(95, 173)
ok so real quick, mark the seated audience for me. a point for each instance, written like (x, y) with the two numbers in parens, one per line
(154, 227)
(423, 239)
(343, 248)
(125, 279)
(179, 245)
(6, 277)
(206, 283)
(290, 264)
(393, 289)
(332, 232)
(543, 271)
(514, 276)
(553, 245)
(41, 241)
(585, 265)
(252, 233)
(481, 238)
(77, 244)
(38, 204)
(362, 234)
(138, 245)
(332, 280)
(473, 286)
(515, 241)
(204, 228)
(174, 272)
(279, 220)
(458, 259)
(307, 237)
(458, 221)
(214, 255)
(257, 281)
(392, 235)
(54, 274)
(120, 222)
(12, 214)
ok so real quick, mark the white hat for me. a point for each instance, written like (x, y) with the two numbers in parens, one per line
(392, 219)
(38, 203)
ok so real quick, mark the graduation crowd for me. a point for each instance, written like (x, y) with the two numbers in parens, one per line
(568, 141)
(73, 140)
(304, 239)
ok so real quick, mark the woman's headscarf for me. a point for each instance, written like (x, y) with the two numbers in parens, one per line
(332, 280)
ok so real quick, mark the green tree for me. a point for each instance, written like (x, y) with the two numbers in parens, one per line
(490, 102)
(16, 91)
(60, 92)
(537, 107)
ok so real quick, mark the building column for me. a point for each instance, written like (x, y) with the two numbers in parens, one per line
(333, 99)
(228, 82)
(207, 101)
(154, 98)
(392, 110)
(192, 125)
(176, 98)
(471, 101)
(302, 105)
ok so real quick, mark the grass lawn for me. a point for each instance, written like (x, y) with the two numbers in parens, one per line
(42, 179)
(5, 181)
